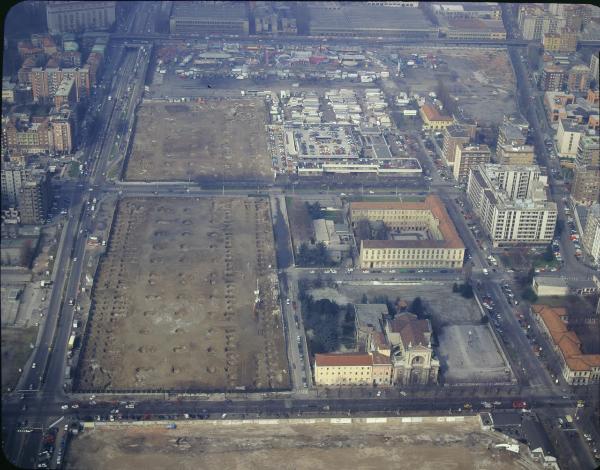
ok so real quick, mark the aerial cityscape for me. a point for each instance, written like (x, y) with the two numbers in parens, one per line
(309, 235)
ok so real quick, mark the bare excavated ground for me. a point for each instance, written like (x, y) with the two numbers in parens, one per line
(296, 446)
(481, 79)
(174, 303)
(212, 140)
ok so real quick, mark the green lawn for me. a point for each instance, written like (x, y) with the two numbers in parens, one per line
(73, 169)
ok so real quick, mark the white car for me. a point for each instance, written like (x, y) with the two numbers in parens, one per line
(33, 365)
(64, 407)
(74, 406)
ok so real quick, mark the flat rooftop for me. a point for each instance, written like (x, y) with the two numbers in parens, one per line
(368, 17)
(209, 10)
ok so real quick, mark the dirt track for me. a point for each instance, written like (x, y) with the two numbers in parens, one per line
(215, 139)
(299, 447)
(174, 306)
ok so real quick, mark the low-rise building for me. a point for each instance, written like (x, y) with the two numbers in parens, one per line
(591, 233)
(577, 368)
(469, 156)
(355, 368)
(511, 203)
(433, 119)
(550, 286)
(430, 239)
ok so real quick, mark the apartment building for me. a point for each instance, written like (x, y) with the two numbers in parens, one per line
(594, 67)
(12, 178)
(553, 78)
(577, 368)
(534, 22)
(33, 200)
(591, 233)
(556, 103)
(77, 16)
(586, 181)
(454, 135)
(515, 155)
(45, 82)
(511, 203)
(564, 41)
(469, 156)
(578, 79)
(27, 137)
(426, 237)
(511, 134)
(567, 140)
(66, 93)
(433, 119)
(61, 132)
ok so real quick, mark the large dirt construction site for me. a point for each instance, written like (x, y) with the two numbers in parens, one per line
(174, 303)
(206, 445)
(213, 140)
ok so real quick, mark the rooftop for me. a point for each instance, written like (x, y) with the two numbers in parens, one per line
(412, 330)
(432, 203)
(370, 315)
(343, 359)
(567, 341)
(210, 10)
(433, 113)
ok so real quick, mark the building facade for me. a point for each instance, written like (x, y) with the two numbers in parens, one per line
(61, 133)
(553, 78)
(347, 369)
(454, 135)
(12, 178)
(577, 368)
(77, 16)
(567, 138)
(511, 203)
(442, 247)
(578, 79)
(586, 181)
(591, 233)
(433, 119)
(467, 157)
(33, 200)
(208, 17)
(565, 41)
(45, 82)
(412, 352)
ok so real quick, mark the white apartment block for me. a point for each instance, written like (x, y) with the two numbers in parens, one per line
(511, 203)
(591, 233)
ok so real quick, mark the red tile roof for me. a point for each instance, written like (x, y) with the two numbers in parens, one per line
(432, 203)
(343, 359)
(412, 331)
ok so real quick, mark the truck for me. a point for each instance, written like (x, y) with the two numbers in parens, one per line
(45, 283)
(71, 341)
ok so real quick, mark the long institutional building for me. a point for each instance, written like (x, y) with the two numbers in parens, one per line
(442, 248)
(511, 202)
(74, 17)
(392, 351)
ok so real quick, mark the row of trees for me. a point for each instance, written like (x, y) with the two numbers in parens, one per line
(314, 256)
(329, 325)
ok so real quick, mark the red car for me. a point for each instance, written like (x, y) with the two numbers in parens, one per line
(518, 404)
